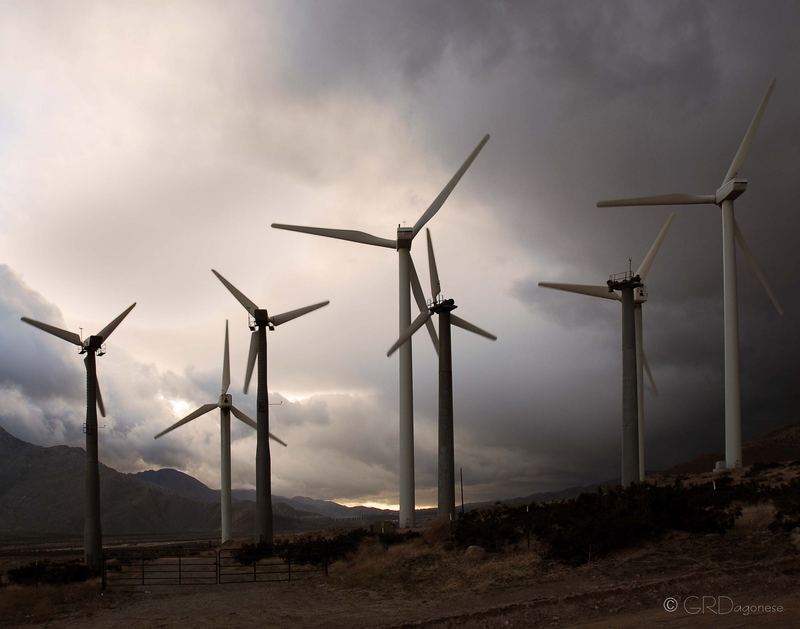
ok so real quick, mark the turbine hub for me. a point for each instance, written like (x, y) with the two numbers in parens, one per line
(640, 294)
(730, 190)
(225, 400)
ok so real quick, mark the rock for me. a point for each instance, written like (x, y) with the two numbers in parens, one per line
(794, 537)
(475, 553)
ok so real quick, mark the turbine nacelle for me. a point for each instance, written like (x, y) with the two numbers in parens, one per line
(404, 237)
(260, 318)
(730, 190)
(640, 294)
(93, 343)
(440, 304)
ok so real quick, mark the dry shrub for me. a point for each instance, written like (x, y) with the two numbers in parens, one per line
(756, 517)
(19, 603)
(405, 565)
(439, 531)
(497, 570)
(424, 564)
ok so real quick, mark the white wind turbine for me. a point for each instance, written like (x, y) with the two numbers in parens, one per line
(732, 186)
(92, 347)
(442, 307)
(226, 407)
(260, 321)
(631, 444)
(407, 275)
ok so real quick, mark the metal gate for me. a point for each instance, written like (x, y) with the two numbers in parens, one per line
(132, 568)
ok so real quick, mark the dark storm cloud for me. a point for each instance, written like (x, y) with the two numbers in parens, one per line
(40, 365)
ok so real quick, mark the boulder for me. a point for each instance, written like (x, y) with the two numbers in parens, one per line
(475, 553)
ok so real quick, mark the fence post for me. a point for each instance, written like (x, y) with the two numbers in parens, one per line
(289, 559)
(103, 572)
(180, 554)
(325, 558)
(142, 567)
(255, 568)
(528, 523)
(217, 571)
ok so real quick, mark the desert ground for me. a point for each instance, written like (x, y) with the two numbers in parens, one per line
(420, 583)
(746, 577)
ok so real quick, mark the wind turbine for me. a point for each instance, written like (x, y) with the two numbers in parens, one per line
(407, 274)
(633, 467)
(444, 308)
(732, 186)
(92, 347)
(226, 407)
(260, 321)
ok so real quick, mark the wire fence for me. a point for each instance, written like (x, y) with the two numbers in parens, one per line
(134, 568)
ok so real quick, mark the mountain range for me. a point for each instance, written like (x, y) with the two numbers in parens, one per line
(42, 495)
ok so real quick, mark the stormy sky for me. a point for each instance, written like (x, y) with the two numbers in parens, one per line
(142, 144)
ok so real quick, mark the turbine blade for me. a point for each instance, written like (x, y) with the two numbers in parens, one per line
(416, 288)
(243, 417)
(436, 286)
(100, 406)
(200, 411)
(644, 267)
(751, 258)
(251, 360)
(661, 199)
(439, 200)
(106, 331)
(226, 364)
(240, 296)
(279, 440)
(51, 329)
(406, 336)
(239, 414)
(471, 327)
(341, 234)
(582, 289)
(649, 373)
(744, 147)
(293, 314)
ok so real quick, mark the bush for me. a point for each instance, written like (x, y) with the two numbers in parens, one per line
(392, 538)
(787, 502)
(594, 524)
(314, 550)
(51, 573)
(757, 468)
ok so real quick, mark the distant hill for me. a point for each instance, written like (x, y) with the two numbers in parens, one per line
(298, 507)
(180, 483)
(779, 445)
(42, 493)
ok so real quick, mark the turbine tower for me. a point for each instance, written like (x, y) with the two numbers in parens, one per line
(732, 186)
(226, 407)
(260, 321)
(406, 276)
(630, 471)
(444, 308)
(93, 346)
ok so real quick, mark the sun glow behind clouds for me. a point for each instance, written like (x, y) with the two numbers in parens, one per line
(179, 407)
(304, 396)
